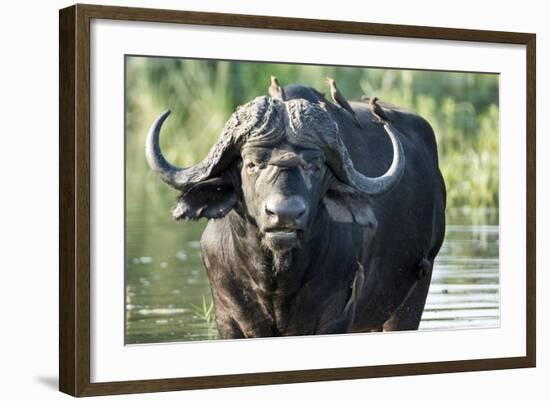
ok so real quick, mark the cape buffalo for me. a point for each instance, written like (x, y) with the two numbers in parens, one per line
(320, 220)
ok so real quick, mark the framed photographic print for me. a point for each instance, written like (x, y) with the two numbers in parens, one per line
(251, 200)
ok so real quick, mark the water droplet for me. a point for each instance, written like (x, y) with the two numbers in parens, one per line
(194, 244)
(181, 255)
(145, 259)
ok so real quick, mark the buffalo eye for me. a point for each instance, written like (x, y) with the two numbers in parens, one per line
(252, 167)
(312, 167)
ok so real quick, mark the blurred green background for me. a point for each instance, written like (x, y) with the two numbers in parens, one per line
(461, 107)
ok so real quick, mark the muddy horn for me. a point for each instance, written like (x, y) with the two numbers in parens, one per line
(246, 121)
(178, 177)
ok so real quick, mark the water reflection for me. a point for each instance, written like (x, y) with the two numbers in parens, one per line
(168, 295)
(465, 285)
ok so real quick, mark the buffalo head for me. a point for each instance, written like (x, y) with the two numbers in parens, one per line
(276, 163)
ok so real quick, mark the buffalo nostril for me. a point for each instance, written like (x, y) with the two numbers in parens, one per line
(285, 210)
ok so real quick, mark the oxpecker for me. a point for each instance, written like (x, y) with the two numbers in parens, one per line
(275, 90)
(356, 287)
(377, 111)
(339, 99)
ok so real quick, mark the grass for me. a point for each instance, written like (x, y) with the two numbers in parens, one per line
(205, 313)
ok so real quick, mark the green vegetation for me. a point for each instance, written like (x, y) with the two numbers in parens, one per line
(461, 107)
(205, 313)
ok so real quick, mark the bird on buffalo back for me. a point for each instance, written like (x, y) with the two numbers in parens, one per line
(377, 110)
(340, 100)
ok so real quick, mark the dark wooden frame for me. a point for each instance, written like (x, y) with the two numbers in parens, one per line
(74, 199)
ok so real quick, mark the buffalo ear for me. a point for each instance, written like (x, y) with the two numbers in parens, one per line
(344, 205)
(211, 199)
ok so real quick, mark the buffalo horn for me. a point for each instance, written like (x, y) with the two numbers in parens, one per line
(176, 177)
(384, 183)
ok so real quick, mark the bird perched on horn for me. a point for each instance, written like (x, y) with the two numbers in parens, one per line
(275, 90)
(377, 110)
(340, 100)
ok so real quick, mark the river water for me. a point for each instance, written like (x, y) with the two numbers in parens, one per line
(168, 295)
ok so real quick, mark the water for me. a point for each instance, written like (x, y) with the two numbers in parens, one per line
(168, 295)
(464, 292)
